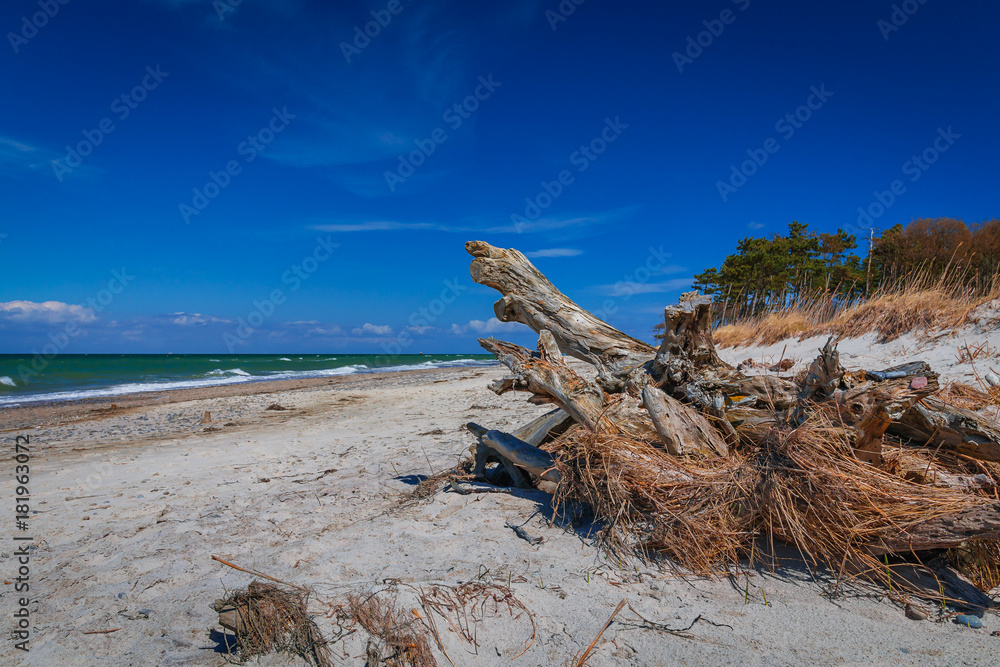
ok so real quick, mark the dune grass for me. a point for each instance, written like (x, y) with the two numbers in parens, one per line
(918, 304)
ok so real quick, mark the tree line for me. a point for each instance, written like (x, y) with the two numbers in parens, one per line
(801, 266)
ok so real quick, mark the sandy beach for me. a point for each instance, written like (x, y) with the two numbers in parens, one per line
(133, 500)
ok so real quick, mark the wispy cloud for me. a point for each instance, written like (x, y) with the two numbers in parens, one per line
(626, 288)
(380, 226)
(755, 225)
(482, 226)
(18, 155)
(554, 252)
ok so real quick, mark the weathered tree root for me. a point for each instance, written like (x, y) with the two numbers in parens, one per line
(681, 401)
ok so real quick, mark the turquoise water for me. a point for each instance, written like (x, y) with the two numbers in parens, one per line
(27, 378)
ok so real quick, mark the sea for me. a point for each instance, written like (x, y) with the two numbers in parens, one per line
(28, 379)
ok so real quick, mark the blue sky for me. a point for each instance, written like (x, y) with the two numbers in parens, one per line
(192, 176)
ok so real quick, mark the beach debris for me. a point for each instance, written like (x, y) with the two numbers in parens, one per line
(915, 613)
(101, 632)
(970, 621)
(524, 535)
(277, 407)
(207, 419)
(395, 637)
(466, 605)
(869, 473)
(583, 658)
(267, 618)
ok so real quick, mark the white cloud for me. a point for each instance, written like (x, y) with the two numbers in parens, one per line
(490, 326)
(332, 330)
(375, 329)
(47, 312)
(482, 226)
(378, 226)
(626, 288)
(195, 319)
(554, 252)
(420, 331)
(755, 225)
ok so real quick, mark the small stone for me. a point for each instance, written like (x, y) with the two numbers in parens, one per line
(915, 613)
(969, 620)
(918, 382)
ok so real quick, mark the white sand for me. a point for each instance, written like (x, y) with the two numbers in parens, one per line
(129, 523)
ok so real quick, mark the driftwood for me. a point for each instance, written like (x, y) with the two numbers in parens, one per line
(872, 406)
(529, 298)
(944, 532)
(512, 453)
(543, 428)
(548, 378)
(684, 432)
(933, 422)
(699, 425)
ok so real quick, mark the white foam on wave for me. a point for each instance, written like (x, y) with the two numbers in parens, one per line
(7, 380)
(284, 359)
(230, 376)
(218, 372)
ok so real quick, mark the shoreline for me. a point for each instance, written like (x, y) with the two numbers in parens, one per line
(40, 414)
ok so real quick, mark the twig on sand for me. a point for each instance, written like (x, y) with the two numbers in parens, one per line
(101, 632)
(433, 627)
(258, 574)
(523, 534)
(590, 648)
(679, 632)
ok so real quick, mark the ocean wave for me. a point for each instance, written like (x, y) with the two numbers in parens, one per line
(7, 380)
(218, 372)
(230, 376)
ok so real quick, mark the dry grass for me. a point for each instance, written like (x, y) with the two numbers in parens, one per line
(889, 313)
(274, 619)
(803, 486)
(397, 639)
(971, 398)
(979, 561)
